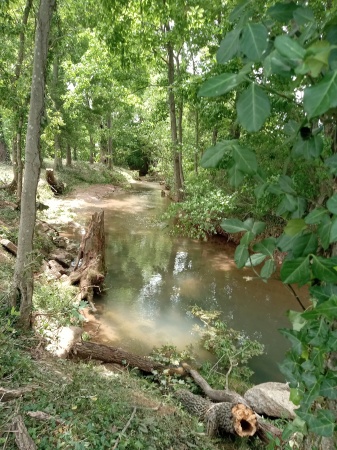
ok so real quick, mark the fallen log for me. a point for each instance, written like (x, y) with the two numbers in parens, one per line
(220, 418)
(56, 186)
(264, 430)
(9, 246)
(22, 437)
(9, 394)
(107, 354)
(89, 270)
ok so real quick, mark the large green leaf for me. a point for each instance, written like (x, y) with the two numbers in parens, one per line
(241, 255)
(322, 96)
(324, 230)
(255, 259)
(236, 176)
(294, 226)
(219, 85)
(303, 15)
(253, 108)
(322, 270)
(239, 10)
(276, 64)
(308, 148)
(304, 245)
(233, 226)
(315, 216)
(247, 238)
(245, 159)
(268, 269)
(254, 41)
(316, 59)
(290, 49)
(327, 309)
(332, 204)
(296, 271)
(282, 12)
(329, 386)
(301, 206)
(258, 227)
(229, 46)
(267, 246)
(333, 231)
(323, 424)
(213, 155)
(332, 164)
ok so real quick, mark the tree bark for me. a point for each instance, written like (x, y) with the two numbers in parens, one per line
(22, 438)
(68, 160)
(89, 270)
(22, 291)
(105, 353)
(110, 148)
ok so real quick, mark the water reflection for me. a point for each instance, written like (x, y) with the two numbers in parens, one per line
(153, 280)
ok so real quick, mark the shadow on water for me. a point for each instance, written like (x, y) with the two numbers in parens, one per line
(153, 279)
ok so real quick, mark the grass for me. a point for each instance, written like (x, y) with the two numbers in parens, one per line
(90, 406)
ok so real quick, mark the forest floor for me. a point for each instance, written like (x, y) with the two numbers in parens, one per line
(85, 404)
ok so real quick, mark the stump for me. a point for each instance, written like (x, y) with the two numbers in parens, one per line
(89, 270)
(56, 186)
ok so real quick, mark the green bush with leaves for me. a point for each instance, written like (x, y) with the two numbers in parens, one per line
(232, 348)
(199, 216)
(294, 46)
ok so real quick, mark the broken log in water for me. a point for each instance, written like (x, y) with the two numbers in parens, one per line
(89, 271)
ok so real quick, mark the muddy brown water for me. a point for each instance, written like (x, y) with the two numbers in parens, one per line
(153, 279)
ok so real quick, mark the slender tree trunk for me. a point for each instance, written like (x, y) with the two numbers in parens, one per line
(196, 152)
(110, 148)
(214, 136)
(92, 150)
(58, 153)
(174, 131)
(75, 153)
(19, 159)
(22, 293)
(68, 162)
(4, 155)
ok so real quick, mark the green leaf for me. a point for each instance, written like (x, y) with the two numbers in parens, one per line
(315, 216)
(213, 155)
(303, 15)
(329, 386)
(301, 206)
(254, 41)
(241, 255)
(297, 320)
(247, 238)
(295, 396)
(323, 293)
(332, 204)
(295, 341)
(323, 231)
(308, 148)
(296, 271)
(333, 231)
(267, 246)
(286, 184)
(233, 226)
(220, 84)
(245, 159)
(282, 12)
(323, 424)
(304, 245)
(332, 164)
(253, 108)
(235, 176)
(294, 226)
(229, 46)
(255, 260)
(238, 10)
(277, 64)
(285, 243)
(290, 49)
(268, 269)
(258, 227)
(260, 190)
(327, 309)
(322, 96)
(317, 58)
(322, 270)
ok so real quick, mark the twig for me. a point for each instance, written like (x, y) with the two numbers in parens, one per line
(125, 428)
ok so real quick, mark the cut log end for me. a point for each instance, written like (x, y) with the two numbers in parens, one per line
(245, 421)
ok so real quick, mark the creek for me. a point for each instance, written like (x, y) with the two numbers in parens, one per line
(153, 279)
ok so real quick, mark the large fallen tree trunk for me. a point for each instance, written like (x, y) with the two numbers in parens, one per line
(220, 418)
(107, 354)
(264, 430)
(89, 270)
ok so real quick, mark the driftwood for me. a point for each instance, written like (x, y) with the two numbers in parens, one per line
(22, 438)
(56, 186)
(105, 353)
(89, 270)
(264, 430)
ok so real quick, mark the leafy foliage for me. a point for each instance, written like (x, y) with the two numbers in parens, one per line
(300, 57)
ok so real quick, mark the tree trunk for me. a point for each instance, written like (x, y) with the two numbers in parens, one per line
(19, 160)
(105, 353)
(22, 292)
(110, 148)
(178, 182)
(196, 151)
(214, 136)
(58, 153)
(75, 154)
(68, 161)
(4, 155)
(92, 150)
(89, 271)
(56, 186)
